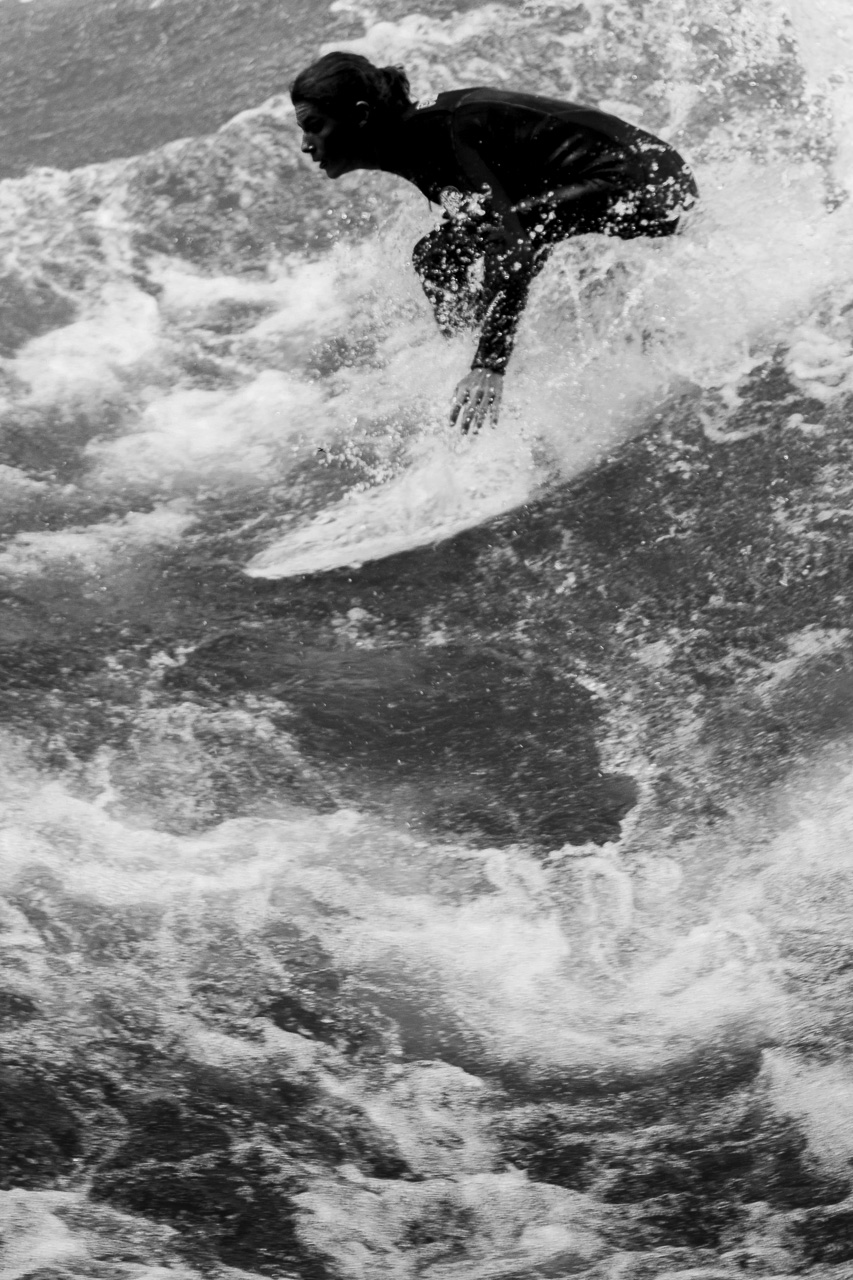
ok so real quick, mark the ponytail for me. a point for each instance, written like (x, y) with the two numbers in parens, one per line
(397, 90)
(337, 81)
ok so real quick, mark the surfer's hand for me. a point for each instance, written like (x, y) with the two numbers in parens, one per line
(477, 400)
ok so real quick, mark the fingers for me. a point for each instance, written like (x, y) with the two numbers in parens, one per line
(494, 402)
(460, 413)
(476, 402)
(470, 412)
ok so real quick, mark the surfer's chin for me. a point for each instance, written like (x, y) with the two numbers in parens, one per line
(337, 168)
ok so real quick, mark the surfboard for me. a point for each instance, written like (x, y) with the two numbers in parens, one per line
(455, 488)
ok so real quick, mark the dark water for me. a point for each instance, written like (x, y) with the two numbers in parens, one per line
(481, 911)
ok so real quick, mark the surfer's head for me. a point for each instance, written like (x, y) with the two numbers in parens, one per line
(344, 105)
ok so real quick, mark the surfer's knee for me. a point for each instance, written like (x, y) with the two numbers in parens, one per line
(429, 258)
(420, 257)
(441, 279)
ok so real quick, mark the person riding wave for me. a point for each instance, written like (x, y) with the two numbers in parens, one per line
(515, 174)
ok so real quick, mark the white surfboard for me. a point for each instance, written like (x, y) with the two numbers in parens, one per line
(453, 489)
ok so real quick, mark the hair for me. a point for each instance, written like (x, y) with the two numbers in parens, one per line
(337, 81)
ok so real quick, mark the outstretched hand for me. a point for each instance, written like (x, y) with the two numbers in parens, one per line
(477, 400)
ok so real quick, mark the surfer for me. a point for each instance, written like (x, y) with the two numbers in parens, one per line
(514, 172)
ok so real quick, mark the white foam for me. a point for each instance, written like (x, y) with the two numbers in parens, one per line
(193, 435)
(298, 293)
(824, 32)
(90, 548)
(89, 357)
(59, 1229)
(33, 1237)
(17, 489)
(500, 1223)
(508, 964)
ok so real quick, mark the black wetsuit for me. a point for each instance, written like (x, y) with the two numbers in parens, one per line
(516, 173)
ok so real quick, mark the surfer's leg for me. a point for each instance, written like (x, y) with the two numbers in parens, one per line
(446, 262)
(655, 209)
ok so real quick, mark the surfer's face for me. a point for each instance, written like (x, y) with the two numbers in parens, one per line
(335, 145)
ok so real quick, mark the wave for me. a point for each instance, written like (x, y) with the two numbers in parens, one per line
(482, 911)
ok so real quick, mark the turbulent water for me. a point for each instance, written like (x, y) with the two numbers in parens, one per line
(483, 911)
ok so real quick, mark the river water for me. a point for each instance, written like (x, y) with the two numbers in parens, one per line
(482, 911)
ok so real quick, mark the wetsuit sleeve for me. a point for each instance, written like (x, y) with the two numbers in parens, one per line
(510, 259)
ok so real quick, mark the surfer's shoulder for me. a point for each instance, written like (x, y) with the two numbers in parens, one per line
(452, 101)
(484, 107)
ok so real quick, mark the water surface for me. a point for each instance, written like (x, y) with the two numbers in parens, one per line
(482, 911)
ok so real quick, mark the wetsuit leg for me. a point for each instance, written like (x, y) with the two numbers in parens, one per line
(446, 262)
(663, 190)
(656, 207)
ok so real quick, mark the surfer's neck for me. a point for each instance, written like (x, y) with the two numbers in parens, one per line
(391, 152)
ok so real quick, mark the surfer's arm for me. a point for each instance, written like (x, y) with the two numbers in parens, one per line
(503, 313)
(510, 267)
